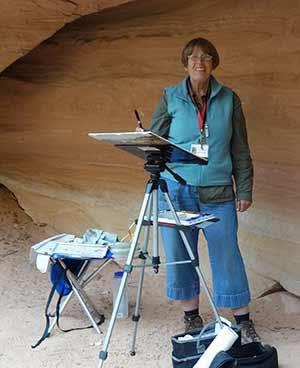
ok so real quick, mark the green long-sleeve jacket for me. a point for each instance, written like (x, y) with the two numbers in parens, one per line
(241, 159)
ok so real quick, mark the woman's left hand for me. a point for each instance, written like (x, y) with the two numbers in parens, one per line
(242, 205)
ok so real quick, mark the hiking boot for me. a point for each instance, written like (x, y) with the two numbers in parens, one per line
(190, 323)
(248, 333)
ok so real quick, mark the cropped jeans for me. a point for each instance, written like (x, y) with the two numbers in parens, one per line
(230, 283)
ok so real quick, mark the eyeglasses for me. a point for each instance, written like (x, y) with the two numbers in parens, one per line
(204, 57)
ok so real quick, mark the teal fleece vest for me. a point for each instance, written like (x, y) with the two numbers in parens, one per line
(184, 131)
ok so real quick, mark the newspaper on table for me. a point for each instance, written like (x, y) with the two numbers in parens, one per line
(93, 244)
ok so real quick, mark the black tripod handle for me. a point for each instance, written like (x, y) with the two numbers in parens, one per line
(176, 176)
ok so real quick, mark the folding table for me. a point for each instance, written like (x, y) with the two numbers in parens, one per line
(55, 250)
(78, 283)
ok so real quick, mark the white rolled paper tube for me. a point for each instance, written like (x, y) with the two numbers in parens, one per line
(222, 342)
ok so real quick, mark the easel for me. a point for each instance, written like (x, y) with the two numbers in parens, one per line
(157, 151)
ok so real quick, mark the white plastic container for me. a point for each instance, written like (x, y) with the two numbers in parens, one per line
(123, 307)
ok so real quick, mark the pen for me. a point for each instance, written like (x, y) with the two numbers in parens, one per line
(138, 119)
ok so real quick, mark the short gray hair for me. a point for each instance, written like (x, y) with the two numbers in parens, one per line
(205, 45)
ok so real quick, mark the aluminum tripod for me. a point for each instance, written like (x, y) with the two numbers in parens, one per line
(149, 216)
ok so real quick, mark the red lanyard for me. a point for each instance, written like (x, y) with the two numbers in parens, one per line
(201, 117)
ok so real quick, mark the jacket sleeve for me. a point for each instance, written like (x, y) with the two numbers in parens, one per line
(242, 167)
(161, 120)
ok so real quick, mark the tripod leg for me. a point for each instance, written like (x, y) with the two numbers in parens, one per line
(127, 269)
(194, 262)
(155, 255)
(136, 315)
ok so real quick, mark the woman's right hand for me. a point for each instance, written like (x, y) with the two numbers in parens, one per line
(139, 129)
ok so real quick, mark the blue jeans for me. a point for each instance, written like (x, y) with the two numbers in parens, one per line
(230, 284)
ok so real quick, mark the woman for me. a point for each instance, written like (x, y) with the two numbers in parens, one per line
(207, 118)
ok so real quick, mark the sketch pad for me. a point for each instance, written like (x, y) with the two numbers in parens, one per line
(144, 144)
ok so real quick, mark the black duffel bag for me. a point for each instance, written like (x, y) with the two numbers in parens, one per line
(186, 353)
(252, 355)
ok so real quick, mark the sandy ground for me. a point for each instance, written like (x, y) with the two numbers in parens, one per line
(24, 291)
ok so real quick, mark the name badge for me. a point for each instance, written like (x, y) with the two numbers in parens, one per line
(200, 150)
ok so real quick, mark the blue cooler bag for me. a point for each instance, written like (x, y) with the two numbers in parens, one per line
(186, 353)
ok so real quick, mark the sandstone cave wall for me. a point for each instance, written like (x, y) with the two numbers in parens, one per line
(95, 71)
(25, 24)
